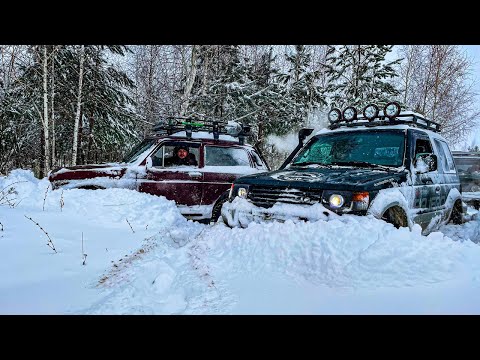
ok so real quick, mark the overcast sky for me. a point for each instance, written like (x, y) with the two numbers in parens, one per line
(473, 52)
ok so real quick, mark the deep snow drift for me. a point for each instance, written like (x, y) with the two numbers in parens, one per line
(143, 257)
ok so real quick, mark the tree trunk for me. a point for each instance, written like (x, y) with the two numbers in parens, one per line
(46, 163)
(205, 72)
(79, 140)
(52, 110)
(190, 80)
(79, 104)
(91, 122)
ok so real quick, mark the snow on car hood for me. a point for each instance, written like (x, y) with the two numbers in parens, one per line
(104, 168)
(325, 178)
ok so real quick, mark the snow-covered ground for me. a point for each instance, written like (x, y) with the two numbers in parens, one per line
(143, 257)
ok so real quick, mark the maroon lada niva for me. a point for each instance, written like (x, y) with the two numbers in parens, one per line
(198, 181)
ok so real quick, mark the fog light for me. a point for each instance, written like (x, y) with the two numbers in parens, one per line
(242, 192)
(336, 201)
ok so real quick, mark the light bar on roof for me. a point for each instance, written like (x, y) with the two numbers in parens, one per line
(392, 110)
(370, 112)
(350, 114)
(335, 115)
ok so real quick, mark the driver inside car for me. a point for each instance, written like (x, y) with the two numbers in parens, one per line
(181, 156)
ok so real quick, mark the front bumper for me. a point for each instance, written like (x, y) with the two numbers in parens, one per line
(240, 213)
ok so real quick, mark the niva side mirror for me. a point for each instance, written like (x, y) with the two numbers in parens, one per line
(149, 163)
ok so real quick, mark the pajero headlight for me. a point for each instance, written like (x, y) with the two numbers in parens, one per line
(345, 201)
(336, 201)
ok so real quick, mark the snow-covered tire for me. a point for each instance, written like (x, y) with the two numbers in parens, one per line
(217, 208)
(395, 216)
(456, 216)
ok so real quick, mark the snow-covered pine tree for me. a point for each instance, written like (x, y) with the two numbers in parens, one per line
(302, 80)
(106, 115)
(359, 74)
(108, 110)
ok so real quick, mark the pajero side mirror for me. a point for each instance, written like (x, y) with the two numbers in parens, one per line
(303, 134)
(426, 163)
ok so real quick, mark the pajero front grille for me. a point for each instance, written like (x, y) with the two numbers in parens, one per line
(266, 196)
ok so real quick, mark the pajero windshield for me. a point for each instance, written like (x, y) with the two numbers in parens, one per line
(365, 149)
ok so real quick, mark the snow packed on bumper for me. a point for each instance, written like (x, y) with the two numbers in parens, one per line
(241, 212)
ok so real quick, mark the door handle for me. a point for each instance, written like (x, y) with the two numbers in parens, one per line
(426, 180)
(195, 174)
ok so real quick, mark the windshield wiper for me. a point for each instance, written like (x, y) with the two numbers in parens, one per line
(363, 164)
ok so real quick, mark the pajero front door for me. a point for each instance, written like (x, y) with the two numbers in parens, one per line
(173, 177)
(425, 183)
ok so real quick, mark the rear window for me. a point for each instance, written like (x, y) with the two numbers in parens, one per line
(446, 159)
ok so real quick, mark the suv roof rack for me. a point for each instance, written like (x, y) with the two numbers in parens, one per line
(404, 118)
(173, 124)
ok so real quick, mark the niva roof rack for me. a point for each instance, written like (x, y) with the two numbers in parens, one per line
(175, 124)
(373, 117)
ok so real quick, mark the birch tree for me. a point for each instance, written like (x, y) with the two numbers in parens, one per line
(78, 108)
(192, 73)
(437, 83)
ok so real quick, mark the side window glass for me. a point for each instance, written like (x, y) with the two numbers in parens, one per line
(173, 155)
(220, 156)
(422, 146)
(444, 152)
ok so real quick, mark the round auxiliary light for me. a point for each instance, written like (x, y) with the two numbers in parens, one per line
(350, 114)
(391, 110)
(335, 115)
(336, 201)
(370, 112)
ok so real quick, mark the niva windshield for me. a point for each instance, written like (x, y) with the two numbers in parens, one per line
(133, 155)
(384, 148)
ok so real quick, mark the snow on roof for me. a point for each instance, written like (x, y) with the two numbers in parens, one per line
(360, 128)
(383, 127)
(205, 135)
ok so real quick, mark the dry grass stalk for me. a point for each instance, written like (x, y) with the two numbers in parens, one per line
(50, 242)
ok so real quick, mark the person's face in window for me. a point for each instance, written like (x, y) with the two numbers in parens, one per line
(182, 153)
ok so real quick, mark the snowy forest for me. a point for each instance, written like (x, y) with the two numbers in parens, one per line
(63, 105)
